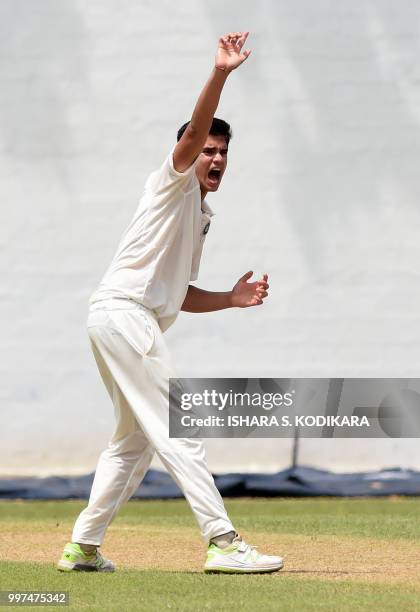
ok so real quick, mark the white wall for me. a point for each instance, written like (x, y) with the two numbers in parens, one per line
(321, 192)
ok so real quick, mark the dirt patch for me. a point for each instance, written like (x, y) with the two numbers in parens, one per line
(151, 547)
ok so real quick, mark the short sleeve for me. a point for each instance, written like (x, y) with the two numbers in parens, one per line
(166, 177)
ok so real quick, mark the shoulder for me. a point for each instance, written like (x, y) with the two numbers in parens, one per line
(167, 176)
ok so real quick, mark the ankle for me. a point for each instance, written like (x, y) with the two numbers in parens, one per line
(88, 549)
(224, 540)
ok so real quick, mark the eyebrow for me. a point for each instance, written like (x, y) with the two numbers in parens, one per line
(225, 149)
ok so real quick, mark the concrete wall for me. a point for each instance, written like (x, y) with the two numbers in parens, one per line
(321, 192)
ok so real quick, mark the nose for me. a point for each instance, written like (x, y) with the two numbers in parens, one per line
(218, 157)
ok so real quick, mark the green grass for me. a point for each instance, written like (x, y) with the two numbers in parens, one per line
(151, 590)
(379, 518)
(129, 589)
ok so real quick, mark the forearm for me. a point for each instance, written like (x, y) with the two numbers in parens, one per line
(207, 104)
(199, 300)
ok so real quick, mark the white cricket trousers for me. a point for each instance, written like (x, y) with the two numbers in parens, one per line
(135, 366)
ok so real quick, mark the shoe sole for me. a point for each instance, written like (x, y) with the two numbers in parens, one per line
(64, 566)
(235, 570)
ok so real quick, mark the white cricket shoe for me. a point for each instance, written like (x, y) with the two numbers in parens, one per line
(240, 558)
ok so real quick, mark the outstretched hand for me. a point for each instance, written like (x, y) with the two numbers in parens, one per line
(229, 53)
(246, 294)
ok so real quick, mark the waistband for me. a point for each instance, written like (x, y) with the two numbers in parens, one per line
(119, 303)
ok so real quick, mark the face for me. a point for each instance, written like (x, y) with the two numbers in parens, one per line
(211, 163)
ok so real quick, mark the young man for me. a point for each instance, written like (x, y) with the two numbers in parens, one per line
(140, 296)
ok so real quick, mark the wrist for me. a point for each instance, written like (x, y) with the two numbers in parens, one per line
(224, 70)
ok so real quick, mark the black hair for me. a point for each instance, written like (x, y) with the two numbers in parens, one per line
(218, 128)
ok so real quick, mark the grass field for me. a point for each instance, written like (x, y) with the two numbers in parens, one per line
(341, 554)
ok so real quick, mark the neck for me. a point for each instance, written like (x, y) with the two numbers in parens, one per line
(203, 193)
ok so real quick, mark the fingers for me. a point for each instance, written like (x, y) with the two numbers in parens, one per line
(236, 36)
(246, 53)
(262, 287)
(260, 295)
(236, 39)
(257, 299)
(256, 302)
(242, 38)
(246, 276)
(262, 283)
(231, 38)
(226, 41)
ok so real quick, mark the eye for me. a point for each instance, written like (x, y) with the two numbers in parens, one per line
(213, 152)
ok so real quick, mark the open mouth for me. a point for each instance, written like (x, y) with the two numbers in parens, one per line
(214, 176)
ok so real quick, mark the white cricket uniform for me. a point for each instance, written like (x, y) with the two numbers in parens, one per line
(139, 297)
(160, 251)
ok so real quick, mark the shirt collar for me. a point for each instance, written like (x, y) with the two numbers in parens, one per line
(205, 208)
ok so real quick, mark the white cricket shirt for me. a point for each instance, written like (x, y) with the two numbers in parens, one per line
(160, 252)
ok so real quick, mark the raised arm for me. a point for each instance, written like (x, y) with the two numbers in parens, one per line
(228, 57)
